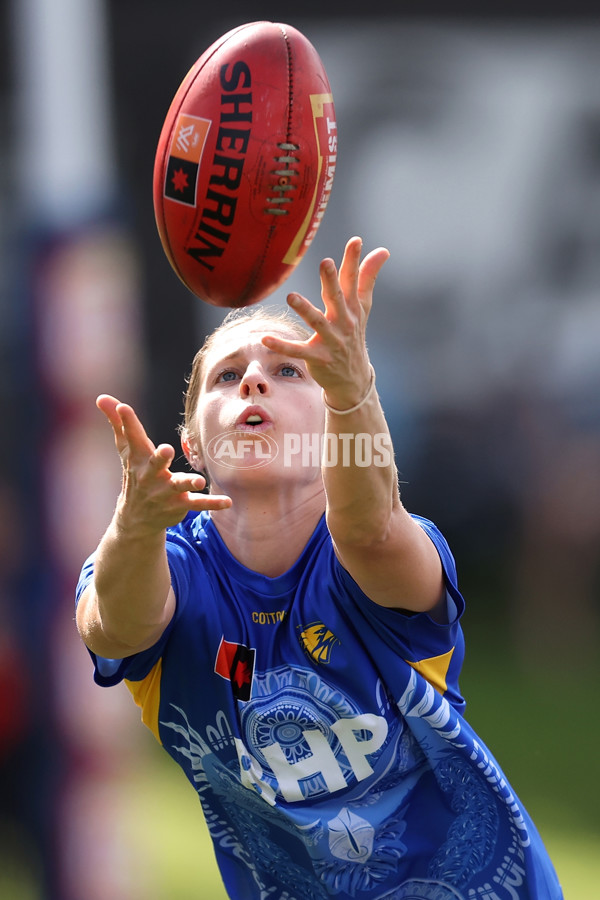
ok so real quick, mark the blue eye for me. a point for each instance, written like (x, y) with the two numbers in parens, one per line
(227, 376)
(289, 372)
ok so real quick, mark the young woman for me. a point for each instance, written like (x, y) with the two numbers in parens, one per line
(292, 635)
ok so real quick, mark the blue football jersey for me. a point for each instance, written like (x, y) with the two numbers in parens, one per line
(325, 735)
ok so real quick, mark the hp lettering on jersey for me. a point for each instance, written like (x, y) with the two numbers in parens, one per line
(319, 761)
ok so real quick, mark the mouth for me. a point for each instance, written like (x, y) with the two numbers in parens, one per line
(253, 419)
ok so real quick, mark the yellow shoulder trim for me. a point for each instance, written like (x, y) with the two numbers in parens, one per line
(146, 694)
(434, 670)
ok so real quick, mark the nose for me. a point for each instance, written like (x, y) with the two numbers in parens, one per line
(254, 380)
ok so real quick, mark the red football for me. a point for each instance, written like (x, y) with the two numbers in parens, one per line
(245, 163)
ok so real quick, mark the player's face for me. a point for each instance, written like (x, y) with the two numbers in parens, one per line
(256, 404)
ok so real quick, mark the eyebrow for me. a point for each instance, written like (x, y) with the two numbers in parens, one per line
(241, 350)
(234, 355)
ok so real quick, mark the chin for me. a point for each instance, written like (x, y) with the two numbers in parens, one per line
(271, 474)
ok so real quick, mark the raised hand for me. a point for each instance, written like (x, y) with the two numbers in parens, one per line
(336, 354)
(152, 497)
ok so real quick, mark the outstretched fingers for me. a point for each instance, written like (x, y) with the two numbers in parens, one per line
(314, 318)
(350, 292)
(349, 270)
(369, 269)
(201, 502)
(190, 487)
(155, 497)
(132, 442)
(347, 298)
(139, 444)
(108, 405)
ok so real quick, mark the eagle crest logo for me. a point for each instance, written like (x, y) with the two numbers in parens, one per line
(318, 641)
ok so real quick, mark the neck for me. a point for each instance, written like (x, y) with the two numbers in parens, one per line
(267, 531)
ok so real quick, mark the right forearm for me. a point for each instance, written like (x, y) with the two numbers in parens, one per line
(129, 602)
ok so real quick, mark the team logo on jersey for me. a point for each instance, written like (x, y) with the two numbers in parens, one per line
(318, 641)
(235, 663)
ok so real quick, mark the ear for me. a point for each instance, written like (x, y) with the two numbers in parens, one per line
(192, 453)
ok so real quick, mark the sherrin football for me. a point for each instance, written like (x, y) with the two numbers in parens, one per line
(245, 164)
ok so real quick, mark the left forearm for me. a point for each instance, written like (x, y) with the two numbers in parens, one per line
(382, 547)
(359, 472)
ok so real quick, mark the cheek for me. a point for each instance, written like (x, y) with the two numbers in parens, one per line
(316, 412)
(208, 418)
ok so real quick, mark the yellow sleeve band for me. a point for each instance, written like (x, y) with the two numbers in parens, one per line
(146, 694)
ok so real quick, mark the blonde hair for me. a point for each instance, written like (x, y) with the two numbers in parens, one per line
(262, 319)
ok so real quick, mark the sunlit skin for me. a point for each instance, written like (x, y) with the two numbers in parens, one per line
(243, 381)
(243, 376)
(265, 515)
